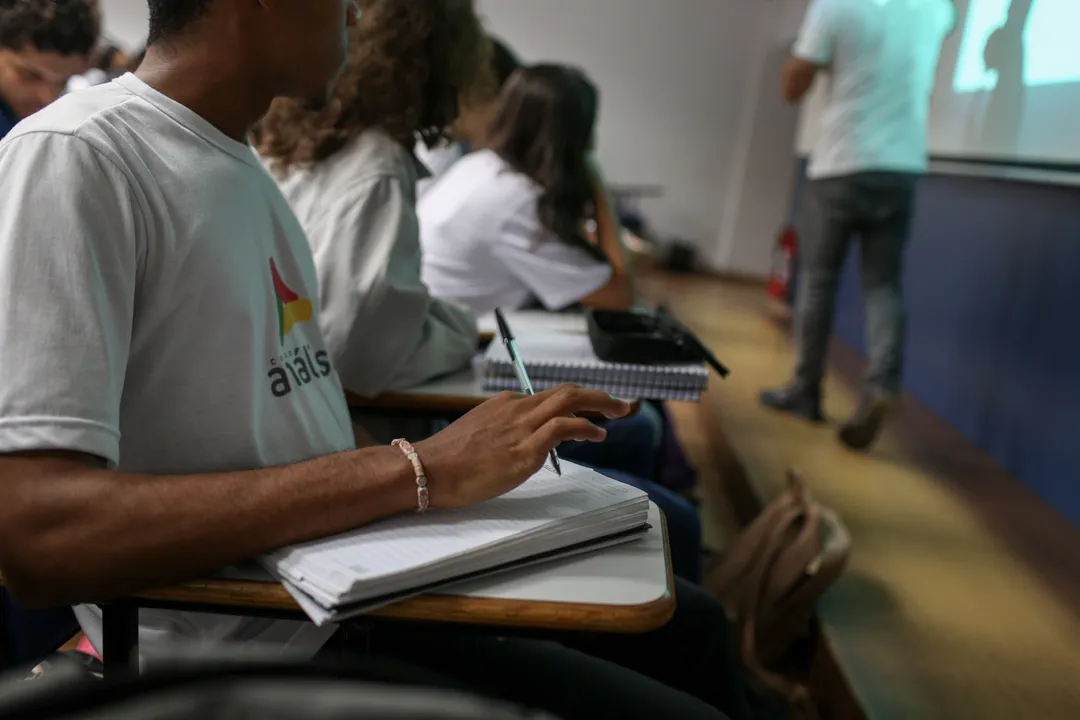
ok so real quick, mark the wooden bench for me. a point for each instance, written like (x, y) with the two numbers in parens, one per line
(962, 598)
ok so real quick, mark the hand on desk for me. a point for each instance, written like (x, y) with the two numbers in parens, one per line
(503, 442)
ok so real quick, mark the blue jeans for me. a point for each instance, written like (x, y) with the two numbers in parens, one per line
(878, 208)
(683, 523)
(632, 445)
(630, 455)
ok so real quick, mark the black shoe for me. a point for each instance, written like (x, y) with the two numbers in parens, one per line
(795, 400)
(862, 429)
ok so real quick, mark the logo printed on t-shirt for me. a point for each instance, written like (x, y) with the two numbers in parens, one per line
(291, 308)
(295, 367)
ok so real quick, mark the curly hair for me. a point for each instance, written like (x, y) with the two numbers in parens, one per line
(409, 60)
(66, 27)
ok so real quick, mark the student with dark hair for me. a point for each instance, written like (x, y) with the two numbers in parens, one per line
(505, 225)
(43, 43)
(476, 111)
(170, 407)
(350, 175)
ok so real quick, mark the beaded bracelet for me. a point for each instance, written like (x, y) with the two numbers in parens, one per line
(421, 479)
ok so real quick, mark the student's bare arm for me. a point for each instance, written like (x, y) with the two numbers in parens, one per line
(73, 531)
(797, 79)
(619, 292)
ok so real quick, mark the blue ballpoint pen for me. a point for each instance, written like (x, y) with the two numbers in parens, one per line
(519, 369)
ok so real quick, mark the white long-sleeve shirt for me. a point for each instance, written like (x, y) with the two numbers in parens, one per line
(383, 328)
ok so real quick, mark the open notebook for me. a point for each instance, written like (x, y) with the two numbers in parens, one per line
(553, 359)
(545, 518)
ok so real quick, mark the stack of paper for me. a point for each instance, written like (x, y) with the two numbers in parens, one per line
(547, 517)
(553, 359)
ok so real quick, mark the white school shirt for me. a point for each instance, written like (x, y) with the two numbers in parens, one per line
(437, 161)
(881, 57)
(382, 327)
(158, 312)
(484, 246)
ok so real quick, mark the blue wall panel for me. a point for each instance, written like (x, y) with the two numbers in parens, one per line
(993, 286)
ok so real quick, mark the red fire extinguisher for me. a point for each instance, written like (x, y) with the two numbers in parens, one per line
(783, 265)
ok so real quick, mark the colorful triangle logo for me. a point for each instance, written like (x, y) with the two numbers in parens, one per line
(291, 308)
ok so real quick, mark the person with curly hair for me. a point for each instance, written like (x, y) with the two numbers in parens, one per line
(350, 175)
(43, 43)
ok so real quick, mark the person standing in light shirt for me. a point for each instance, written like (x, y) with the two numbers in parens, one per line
(881, 60)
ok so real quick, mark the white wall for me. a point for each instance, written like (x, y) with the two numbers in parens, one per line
(688, 102)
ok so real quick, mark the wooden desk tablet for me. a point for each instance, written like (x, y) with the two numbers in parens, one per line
(623, 589)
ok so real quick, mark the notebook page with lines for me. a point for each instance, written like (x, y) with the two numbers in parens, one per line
(546, 514)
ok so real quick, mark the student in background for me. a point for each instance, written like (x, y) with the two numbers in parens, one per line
(863, 172)
(350, 175)
(476, 112)
(43, 43)
(505, 226)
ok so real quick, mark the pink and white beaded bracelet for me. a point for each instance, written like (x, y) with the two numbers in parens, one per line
(418, 467)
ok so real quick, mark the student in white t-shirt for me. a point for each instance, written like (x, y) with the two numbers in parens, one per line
(476, 113)
(354, 190)
(169, 405)
(505, 226)
(880, 59)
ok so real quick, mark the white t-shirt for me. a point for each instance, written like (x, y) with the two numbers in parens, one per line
(158, 313)
(882, 57)
(384, 330)
(484, 246)
(438, 161)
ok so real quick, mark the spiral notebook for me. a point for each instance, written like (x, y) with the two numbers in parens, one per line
(553, 359)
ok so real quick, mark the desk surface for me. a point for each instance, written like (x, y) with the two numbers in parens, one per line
(525, 322)
(627, 588)
(462, 391)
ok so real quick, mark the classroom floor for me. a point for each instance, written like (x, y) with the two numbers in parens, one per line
(961, 597)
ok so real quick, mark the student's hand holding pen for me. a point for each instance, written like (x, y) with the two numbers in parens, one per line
(505, 441)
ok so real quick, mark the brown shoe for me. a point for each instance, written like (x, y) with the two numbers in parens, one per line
(863, 428)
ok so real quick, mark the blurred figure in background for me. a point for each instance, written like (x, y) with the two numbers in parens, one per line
(43, 43)
(476, 112)
(350, 175)
(882, 58)
(504, 227)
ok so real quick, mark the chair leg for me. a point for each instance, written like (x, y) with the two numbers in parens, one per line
(120, 637)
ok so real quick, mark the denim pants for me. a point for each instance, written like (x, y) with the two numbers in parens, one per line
(630, 455)
(877, 207)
